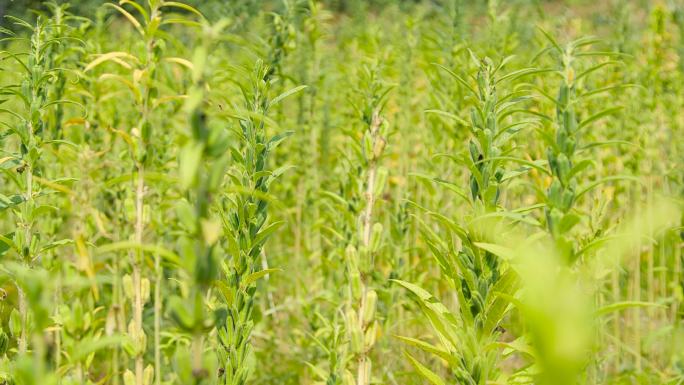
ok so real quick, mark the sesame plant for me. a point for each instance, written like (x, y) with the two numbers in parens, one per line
(244, 212)
(565, 142)
(478, 275)
(309, 192)
(361, 323)
(35, 133)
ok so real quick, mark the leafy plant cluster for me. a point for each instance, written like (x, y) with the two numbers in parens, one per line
(341, 193)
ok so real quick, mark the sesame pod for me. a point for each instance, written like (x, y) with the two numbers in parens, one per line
(129, 377)
(475, 118)
(498, 175)
(554, 218)
(563, 95)
(148, 375)
(379, 147)
(127, 282)
(570, 121)
(138, 339)
(355, 333)
(474, 151)
(369, 306)
(478, 302)
(474, 187)
(145, 289)
(110, 323)
(553, 162)
(353, 271)
(563, 167)
(488, 136)
(370, 335)
(376, 237)
(348, 378)
(4, 342)
(491, 123)
(555, 191)
(380, 181)
(481, 81)
(567, 199)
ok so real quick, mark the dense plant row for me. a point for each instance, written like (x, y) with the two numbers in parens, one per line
(342, 193)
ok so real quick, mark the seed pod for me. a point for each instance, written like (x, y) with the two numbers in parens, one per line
(380, 181)
(491, 123)
(555, 216)
(474, 187)
(563, 167)
(567, 199)
(353, 271)
(553, 162)
(110, 323)
(475, 118)
(488, 139)
(477, 302)
(370, 335)
(376, 237)
(348, 378)
(379, 147)
(4, 342)
(128, 288)
(555, 194)
(148, 375)
(355, 333)
(563, 95)
(369, 306)
(145, 289)
(474, 151)
(129, 378)
(481, 81)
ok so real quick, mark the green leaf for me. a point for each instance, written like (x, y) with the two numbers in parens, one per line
(54, 244)
(498, 304)
(500, 251)
(266, 232)
(450, 116)
(183, 7)
(443, 354)
(251, 278)
(277, 139)
(424, 371)
(598, 115)
(284, 95)
(109, 57)
(613, 307)
(458, 78)
(441, 319)
(596, 183)
(6, 243)
(11, 201)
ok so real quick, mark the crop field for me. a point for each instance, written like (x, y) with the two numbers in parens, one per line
(331, 192)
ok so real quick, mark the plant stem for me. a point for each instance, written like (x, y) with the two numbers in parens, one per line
(23, 308)
(137, 267)
(364, 369)
(157, 319)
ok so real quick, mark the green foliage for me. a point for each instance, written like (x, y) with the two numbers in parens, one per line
(341, 192)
